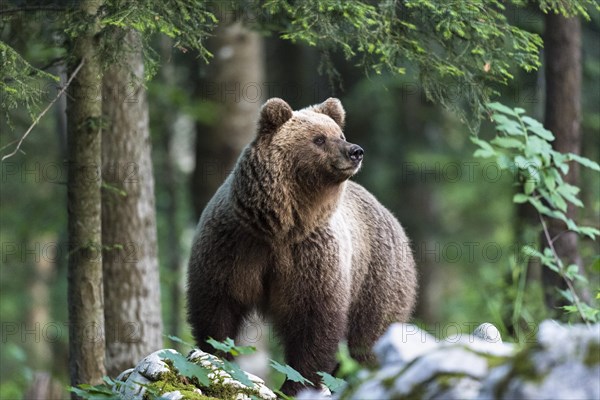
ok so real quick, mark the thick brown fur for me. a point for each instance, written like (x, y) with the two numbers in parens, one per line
(289, 235)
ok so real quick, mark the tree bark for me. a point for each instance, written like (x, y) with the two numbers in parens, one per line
(85, 291)
(234, 84)
(131, 276)
(563, 116)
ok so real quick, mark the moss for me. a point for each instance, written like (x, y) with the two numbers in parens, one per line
(592, 357)
(494, 361)
(522, 367)
(170, 381)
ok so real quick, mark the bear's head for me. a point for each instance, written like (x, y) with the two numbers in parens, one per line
(308, 144)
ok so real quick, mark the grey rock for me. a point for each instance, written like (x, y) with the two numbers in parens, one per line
(134, 380)
(450, 361)
(452, 387)
(562, 363)
(370, 390)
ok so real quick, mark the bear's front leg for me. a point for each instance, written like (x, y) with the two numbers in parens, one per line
(218, 318)
(310, 340)
(310, 304)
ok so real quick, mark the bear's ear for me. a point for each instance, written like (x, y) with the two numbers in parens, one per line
(274, 113)
(333, 108)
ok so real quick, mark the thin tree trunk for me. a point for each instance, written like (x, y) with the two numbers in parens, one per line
(85, 291)
(563, 116)
(131, 276)
(234, 83)
(171, 204)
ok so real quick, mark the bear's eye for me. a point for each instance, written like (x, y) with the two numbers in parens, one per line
(319, 140)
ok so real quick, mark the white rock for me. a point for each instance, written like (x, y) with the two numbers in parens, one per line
(481, 346)
(152, 366)
(312, 394)
(266, 393)
(450, 360)
(488, 332)
(402, 343)
(371, 390)
(176, 395)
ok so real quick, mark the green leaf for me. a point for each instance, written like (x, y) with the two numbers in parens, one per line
(529, 186)
(186, 367)
(482, 143)
(529, 251)
(520, 198)
(99, 392)
(290, 373)
(536, 146)
(566, 294)
(571, 271)
(333, 384)
(549, 181)
(570, 309)
(537, 128)
(589, 231)
(503, 109)
(179, 340)
(236, 373)
(481, 153)
(507, 143)
(228, 346)
(569, 192)
(564, 168)
(586, 162)
(521, 162)
(555, 200)
(589, 313)
(508, 125)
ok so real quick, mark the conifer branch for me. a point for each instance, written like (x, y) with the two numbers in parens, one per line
(39, 117)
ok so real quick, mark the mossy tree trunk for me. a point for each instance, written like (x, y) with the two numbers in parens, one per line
(131, 269)
(85, 290)
(562, 44)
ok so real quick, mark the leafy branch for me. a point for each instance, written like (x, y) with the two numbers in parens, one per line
(523, 146)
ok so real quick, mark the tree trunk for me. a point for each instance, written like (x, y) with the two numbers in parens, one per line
(171, 204)
(131, 277)
(234, 83)
(563, 115)
(85, 291)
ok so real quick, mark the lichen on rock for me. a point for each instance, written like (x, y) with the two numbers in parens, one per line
(156, 376)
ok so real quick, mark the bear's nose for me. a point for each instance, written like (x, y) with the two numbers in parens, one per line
(356, 153)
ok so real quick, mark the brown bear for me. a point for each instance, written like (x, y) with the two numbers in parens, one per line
(289, 235)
